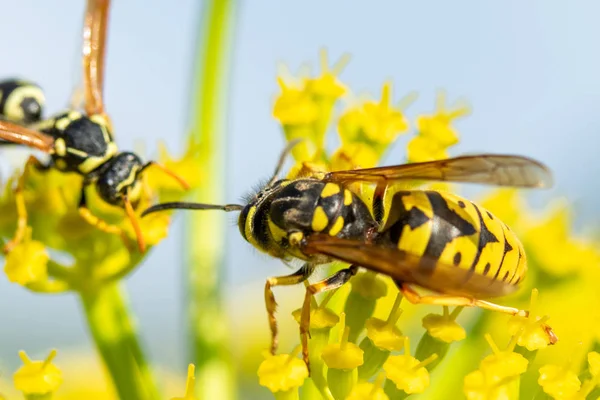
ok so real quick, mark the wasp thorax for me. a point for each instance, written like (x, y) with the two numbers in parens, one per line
(119, 177)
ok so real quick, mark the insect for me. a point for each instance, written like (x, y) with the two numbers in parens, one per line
(80, 142)
(21, 101)
(420, 238)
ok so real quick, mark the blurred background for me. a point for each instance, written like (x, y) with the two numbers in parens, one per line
(529, 70)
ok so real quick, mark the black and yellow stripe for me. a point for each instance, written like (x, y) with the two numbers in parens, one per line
(454, 231)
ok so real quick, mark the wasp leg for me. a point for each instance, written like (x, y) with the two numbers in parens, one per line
(333, 282)
(299, 276)
(443, 300)
(97, 222)
(32, 162)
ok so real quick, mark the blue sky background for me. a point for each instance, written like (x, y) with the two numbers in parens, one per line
(530, 70)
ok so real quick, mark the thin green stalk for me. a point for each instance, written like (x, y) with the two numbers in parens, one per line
(110, 324)
(211, 347)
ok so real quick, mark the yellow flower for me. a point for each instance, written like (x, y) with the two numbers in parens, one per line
(189, 385)
(594, 362)
(496, 373)
(185, 167)
(444, 327)
(369, 285)
(27, 262)
(320, 317)
(559, 382)
(304, 108)
(422, 149)
(376, 123)
(37, 377)
(438, 126)
(295, 106)
(344, 355)
(553, 246)
(476, 388)
(532, 331)
(353, 156)
(384, 335)
(283, 372)
(506, 205)
(369, 391)
(408, 373)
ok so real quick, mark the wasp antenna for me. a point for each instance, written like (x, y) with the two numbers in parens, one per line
(167, 171)
(286, 152)
(179, 205)
(136, 225)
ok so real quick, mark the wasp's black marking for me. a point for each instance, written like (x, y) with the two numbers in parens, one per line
(400, 217)
(447, 225)
(485, 237)
(486, 269)
(457, 258)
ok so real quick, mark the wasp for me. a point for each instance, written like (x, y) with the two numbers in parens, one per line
(21, 101)
(425, 239)
(79, 142)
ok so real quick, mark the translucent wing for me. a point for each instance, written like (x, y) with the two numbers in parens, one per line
(94, 45)
(493, 169)
(400, 265)
(20, 135)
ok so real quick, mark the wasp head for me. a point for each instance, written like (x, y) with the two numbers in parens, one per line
(120, 178)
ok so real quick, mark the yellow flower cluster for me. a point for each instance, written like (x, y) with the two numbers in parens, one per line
(369, 344)
(49, 200)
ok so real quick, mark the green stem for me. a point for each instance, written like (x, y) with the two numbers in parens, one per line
(208, 323)
(111, 326)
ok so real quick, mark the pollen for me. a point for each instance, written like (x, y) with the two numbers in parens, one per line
(38, 377)
(320, 220)
(282, 372)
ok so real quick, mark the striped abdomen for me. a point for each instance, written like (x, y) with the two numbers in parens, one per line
(456, 232)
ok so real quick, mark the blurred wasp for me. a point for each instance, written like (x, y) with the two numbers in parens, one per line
(78, 142)
(21, 101)
(420, 238)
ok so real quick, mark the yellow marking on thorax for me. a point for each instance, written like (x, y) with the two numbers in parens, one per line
(99, 119)
(60, 148)
(62, 123)
(347, 197)
(73, 115)
(320, 220)
(76, 152)
(91, 163)
(330, 189)
(44, 125)
(337, 226)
